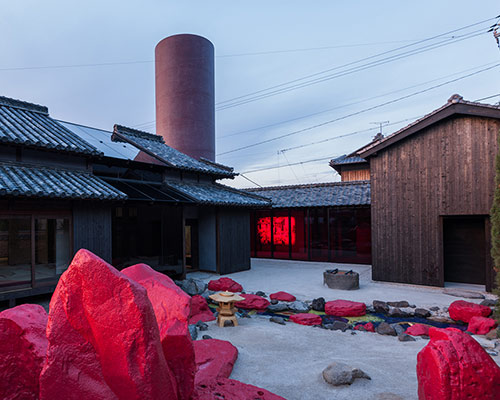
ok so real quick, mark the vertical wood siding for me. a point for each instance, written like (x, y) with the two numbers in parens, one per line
(444, 170)
(233, 243)
(92, 229)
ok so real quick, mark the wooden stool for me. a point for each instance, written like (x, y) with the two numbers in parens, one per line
(226, 307)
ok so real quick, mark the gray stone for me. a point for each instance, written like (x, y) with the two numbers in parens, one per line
(205, 337)
(370, 308)
(192, 286)
(338, 373)
(277, 307)
(403, 337)
(493, 334)
(388, 396)
(318, 304)
(202, 326)
(398, 328)
(385, 329)
(380, 307)
(278, 320)
(467, 294)
(298, 306)
(341, 280)
(339, 326)
(434, 308)
(489, 302)
(260, 293)
(492, 353)
(398, 304)
(193, 332)
(397, 312)
(274, 301)
(422, 313)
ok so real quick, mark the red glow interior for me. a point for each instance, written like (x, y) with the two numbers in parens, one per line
(281, 226)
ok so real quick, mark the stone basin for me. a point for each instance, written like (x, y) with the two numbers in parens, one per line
(341, 279)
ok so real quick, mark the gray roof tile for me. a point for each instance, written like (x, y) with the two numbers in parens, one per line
(336, 194)
(36, 181)
(30, 125)
(217, 194)
(154, 145)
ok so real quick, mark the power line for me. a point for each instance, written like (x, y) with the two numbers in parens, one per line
(489, 97)
(360, 112)
(282, 166)
(248, 179)
(347, 71)
(358, 61)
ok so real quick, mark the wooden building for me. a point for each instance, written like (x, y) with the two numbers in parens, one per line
(124, 195)
(432, 186)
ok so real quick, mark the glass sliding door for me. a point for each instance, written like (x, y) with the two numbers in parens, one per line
(264, 233)
(299, 234)
(319, 234)
(283, 233)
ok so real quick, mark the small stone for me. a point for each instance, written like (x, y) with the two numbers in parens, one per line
(273, 301)
(298, 306)
(370, 308)
(338, 373)
(434, 308)
(403, 337)
(398, 328)
(193, 332)
(318, 304)
(192, 286)
(380, 307)
(202, 326)
(277, 307)
(353, 333)
(327, 326)
(493, 334)
(205, 337)
(385, 329)
(260, 293)
(489, 302)
(339, 326)
(468, 294)
(278, 320)
(422, 313)
(397, 313)
(388, 396)
(398, 304)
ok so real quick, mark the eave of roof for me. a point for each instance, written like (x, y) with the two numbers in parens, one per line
(455, 106)
(338, 162)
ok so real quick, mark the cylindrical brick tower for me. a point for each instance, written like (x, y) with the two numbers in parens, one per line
(185, 94)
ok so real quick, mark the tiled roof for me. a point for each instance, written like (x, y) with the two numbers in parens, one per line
(456, 105)
(336, 194)
(30, 125)
(345, 159)
(155, 146)
(217, 194)
(36, 181)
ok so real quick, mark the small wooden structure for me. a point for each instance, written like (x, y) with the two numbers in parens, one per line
(226, 307)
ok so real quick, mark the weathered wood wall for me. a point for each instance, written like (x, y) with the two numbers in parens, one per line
(92, 229)
(233, 240)
(355, 175)
(446, 169)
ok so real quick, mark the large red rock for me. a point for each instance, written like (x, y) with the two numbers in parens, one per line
(214, 359)
(172, 307)
(282, 296)
(252, 302)
(230, 389)
(462, 310)
(224, 284)
(418, 330)
(453, 366)
(104, 341)
(345, 308)
(23, 345)
(200, 310)
(306, 319)
(481, 325)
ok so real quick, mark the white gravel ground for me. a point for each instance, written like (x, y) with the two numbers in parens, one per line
(288, 360)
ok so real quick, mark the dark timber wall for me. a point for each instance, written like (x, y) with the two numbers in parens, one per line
(446, 169)
(92, 229)
(233, 240)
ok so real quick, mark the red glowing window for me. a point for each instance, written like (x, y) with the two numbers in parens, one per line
(281, 226)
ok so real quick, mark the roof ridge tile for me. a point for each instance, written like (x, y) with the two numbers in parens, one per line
(9, 102)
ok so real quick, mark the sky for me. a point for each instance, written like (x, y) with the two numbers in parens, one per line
(92, 63)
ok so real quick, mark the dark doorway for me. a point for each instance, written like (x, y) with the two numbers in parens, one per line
(191, 234)
(464, 250)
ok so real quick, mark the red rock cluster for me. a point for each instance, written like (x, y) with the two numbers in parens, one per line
(113, 335)
(225, 284)
(282, 296)
(418, 330)
(368, 327)
(306, 319)
(345, 308)
(453, 366)
(200, 310)
(481, 325)
(462, 310)
(252, 302)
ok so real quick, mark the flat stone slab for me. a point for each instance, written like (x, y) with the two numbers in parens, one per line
(341, 279)
(467, 294)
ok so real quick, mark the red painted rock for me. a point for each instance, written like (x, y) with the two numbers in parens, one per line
(252, 302)
(23, 345)
(104, 341)
(481, 325)
(223, 284)
(306, 319)
(230, 389)
(200, 310)
(172, 307)
(418, 330)
(461, 310)
(453, 366)
(365, 327)
(282, 296)
(345, 308)
(214, 359)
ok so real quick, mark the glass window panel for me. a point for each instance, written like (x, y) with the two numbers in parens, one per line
(263, 224)
(15, 252)
(319, 234)
(52, 248)
(299, 232)
(283, 233)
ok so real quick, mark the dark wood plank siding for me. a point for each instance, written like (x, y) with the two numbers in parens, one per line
(92, 229)
(446, 169)
(355, 175)
(233, 240)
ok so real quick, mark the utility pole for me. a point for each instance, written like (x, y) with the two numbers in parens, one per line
(381, 124)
